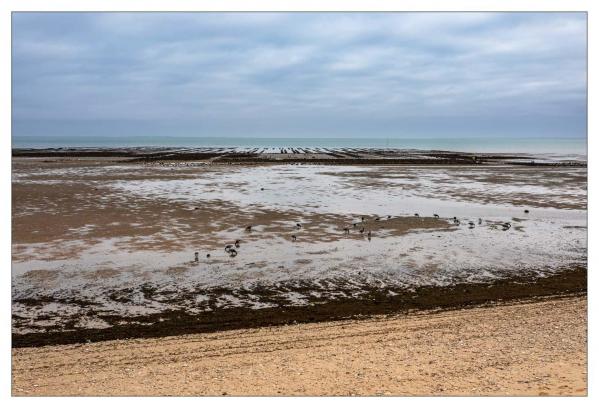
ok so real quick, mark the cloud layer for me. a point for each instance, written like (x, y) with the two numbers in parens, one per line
(299, 74)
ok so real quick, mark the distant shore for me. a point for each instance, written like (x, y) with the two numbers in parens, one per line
(299, 155)
(512, 348)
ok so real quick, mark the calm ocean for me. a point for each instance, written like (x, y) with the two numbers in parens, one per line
(576, 146)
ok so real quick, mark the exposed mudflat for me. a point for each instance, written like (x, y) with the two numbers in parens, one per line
(106, 244)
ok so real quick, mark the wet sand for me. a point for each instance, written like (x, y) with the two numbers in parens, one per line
(103, 247)
(531, 348)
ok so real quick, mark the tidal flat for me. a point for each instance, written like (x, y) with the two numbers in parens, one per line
(109, 246)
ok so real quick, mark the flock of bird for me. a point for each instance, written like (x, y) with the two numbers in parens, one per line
(231, 249)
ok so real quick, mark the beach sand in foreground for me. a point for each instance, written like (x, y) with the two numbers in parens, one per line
(534, 348)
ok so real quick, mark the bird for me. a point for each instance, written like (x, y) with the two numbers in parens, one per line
(416, 215)
(480, 221)
(362, 219)
(197, 257)
(362, 230)
(232, 253)
(388, 216)
(207, 255)
(436, 215)
(471, 224)
(294, 237)
(377, 219)
(526, 211)
(369, 235)
(248, 228)
(354, 224)
(346, 230)
(237, 243)
(228, 248)
(506, 226)
(298, 225)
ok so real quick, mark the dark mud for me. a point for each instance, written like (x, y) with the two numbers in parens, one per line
(356, 303)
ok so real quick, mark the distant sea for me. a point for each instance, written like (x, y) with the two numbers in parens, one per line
(576, 146)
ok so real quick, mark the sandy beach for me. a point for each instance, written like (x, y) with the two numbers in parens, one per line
(532, 348)
(277, 203)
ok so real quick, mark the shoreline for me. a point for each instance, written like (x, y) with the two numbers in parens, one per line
(375, 301)
(472, 351)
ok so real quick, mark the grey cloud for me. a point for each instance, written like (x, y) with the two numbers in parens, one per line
(326, 74)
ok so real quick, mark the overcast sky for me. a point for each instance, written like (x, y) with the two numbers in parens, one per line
(299, 74)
